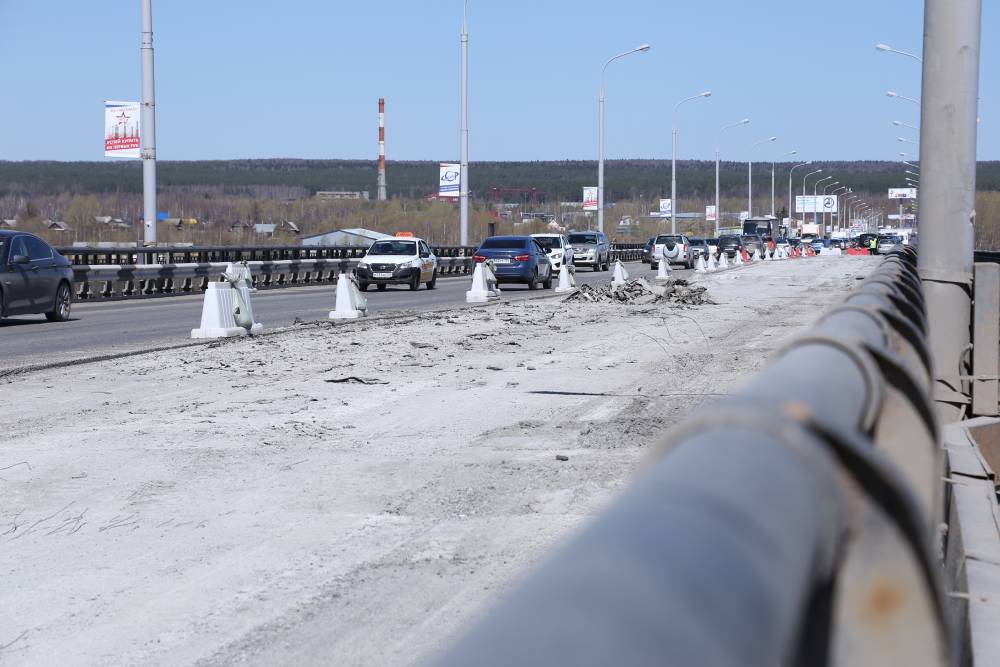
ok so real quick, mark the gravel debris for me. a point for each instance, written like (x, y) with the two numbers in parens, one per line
(641, 292)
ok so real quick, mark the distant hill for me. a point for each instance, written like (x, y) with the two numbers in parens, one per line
(558, 180)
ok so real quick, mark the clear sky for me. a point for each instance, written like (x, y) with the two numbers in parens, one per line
(301, 78)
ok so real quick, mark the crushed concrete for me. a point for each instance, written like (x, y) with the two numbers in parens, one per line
(641, 292)
(348, 494)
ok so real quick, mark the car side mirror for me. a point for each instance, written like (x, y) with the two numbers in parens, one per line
(20, 259)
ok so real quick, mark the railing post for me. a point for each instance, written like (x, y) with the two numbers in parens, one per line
(949, 104)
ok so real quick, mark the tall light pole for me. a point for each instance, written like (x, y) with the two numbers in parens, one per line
(816, 185)
(789, 154)
(888, 49)
(843, 189)
(718, 153)
(899, 123)
(896, 95)
(600, 161)
(463, 201)
(825, 187)
(791, 207)
(804, 178)
(148, 135)
(750, 173)
(673, 160)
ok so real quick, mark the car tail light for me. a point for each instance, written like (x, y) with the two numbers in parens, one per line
(522, 258)
(478, 259)
(685, 247)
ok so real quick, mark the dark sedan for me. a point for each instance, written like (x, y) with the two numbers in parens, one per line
(34, 278)
(730, 244)
(517, 259)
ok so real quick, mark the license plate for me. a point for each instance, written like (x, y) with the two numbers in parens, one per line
(501, 261)
(382, 275)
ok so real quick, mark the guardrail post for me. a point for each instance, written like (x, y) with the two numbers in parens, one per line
(949, 102)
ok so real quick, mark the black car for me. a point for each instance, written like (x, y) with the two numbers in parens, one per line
(647, 250)
(730, 244)
(34, 278)
(752, 243)
(699, 248)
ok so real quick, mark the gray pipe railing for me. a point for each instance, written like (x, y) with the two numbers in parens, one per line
(792, 523)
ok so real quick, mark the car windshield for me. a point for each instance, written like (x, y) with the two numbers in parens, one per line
(663, 238)
(729, 239)
(751, 238)
(548, 242)
(698, 242)
(393, 248)
(503, 244)
(583, 238)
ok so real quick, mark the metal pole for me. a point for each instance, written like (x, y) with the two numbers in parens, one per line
(464, 139)
(772, 189)
(600, 160)
(791, 215)
(718, 213)
(673, 177)
(148, 127)
(947, 196)
(750, 187)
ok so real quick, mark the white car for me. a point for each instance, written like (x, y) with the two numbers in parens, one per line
(675, 248)
(399, 261)
(557, 248)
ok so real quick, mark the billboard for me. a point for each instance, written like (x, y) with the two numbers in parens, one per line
(710, 214)
(902, 193)
(816, 204)
(121, 129)
(666, 206)
(590, 199)
(450, 180)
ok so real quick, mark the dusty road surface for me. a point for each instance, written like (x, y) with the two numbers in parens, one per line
(351, 494)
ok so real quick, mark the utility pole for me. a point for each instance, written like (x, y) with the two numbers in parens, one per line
(463, 202)
(947, 196)
(148, 128)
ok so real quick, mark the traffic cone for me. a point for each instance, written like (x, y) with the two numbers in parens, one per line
(700, 266)
(351, 303)
(567, 281)
(621, 275)
(756, 254)
(712, 266)
(723, 261)
(738, 258)
(484, 284)
(663, 270)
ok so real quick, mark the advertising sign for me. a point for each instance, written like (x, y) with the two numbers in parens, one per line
(816, 204)
(905, 216)
(710, 213)
(121, 129)
(590, 199)
(449, 184)
(666, 206)
(902, 193)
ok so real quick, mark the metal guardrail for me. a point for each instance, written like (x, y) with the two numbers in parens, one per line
(110, 273)
(793, 523)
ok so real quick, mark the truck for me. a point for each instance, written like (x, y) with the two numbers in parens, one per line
(767, 227)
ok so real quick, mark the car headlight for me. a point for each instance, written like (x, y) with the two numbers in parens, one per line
(414, 264)
(362, 264)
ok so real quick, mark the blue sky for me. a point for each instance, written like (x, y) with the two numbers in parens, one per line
(301, 78)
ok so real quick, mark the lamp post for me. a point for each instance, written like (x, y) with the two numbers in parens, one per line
(825, 188)
(843, 189)
(888, 49)
(463, 192)
(900, 123)
(789, 154)
(815, 186)
(904, 140)
(750, 174)
(673, 160)
(718, 153)
(600, 162)
(892, 93)
(148, 120)
(811, 173)
(790, 172)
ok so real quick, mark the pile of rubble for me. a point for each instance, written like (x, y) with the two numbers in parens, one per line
(641, 292)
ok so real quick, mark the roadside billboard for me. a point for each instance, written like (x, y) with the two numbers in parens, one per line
(666, 206)
(590, 199)
(449, 183)
(710, 214)
(817, 204)
(902, 193)
(121, 129)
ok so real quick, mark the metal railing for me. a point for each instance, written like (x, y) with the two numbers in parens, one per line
(792, 523)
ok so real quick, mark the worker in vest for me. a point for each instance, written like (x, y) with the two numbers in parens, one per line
(873, 245)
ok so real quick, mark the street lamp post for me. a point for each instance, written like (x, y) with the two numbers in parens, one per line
(148, 120)
(790, 172)
(718, 153)
(892, 93)
(600, 162)
(825, 187)
(815, 186)
(673, 160)
(804, 178)
(750, 174)
(888, 49)
(463, 200)
(789, 154)
(900, 123)
(843, 189)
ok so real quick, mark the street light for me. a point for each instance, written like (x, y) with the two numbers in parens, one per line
(788, 154)
(892, 93)
(463, 177)
(790, 172)
(834, 193)
(718, 152)
(825, 187)
(910, 164)
(904, 140)
(900, 123)
(673, 160)
(888, 49)
(600, 162)
(815, 186)
(750, 174)
(818, 171)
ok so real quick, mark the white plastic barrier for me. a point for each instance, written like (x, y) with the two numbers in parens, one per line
(351, 303)
(700, 266)
(219, 311)
(484, 284)
(567, 279)
(621, 275)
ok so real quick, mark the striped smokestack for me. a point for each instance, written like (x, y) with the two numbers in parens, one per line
(381, 149)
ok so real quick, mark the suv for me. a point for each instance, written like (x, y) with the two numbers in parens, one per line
(402, 261)
(557, 247)
(730, 244)
(675, 248)
(700, 248)
(591, 249)
(753, 243)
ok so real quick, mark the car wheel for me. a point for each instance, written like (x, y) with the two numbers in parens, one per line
(363, 286)
(415, 283)
(547, 283)
(533, 281)
(432, 283)
(381, 287)
(63, 304)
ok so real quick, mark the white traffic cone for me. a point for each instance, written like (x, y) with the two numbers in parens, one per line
(226, 310)
(351, 303)
(723, 261)
(567, 281)
(738, 258)
(663, 270)
(712, 266)
(484, 284)
(700, 266)
(756, 255)
(779, 252)
(767, 254)
(621, 275)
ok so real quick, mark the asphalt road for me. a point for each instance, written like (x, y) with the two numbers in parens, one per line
(99, 328)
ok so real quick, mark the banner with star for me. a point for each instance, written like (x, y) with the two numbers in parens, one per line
(121, 129)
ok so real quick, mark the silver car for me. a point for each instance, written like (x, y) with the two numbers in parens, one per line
(591, 249)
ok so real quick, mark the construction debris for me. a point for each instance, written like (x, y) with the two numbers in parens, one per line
(640, 292)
